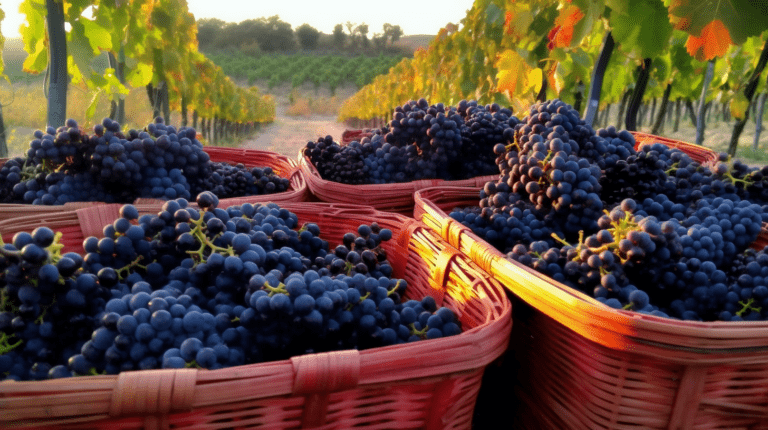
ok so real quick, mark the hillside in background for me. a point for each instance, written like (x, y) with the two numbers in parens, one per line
(415, 41)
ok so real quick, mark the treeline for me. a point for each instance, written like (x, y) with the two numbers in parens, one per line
(272, 35)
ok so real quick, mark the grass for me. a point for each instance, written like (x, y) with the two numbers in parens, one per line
(303, 106)
(24, 109)
(717, 136)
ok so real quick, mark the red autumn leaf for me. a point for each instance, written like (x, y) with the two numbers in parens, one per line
(561, 35)
(508, 22)
(713, 42)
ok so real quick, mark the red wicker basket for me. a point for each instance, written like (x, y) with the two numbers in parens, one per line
(385, 197)
(585, 366)
(350, 135)
(432, 384)
(696, 152)
(280, 164)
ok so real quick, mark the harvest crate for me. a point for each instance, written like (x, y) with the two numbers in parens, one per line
(429, 384)
(587, 366)
(384, 197)
(280, 164)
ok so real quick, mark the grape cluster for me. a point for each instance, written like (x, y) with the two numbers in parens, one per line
(207, 287)
(422, 141)
(66, 165)
(649, 230)
(484, 127)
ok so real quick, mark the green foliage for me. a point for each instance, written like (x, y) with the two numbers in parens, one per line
(331, 70)
(307, 36)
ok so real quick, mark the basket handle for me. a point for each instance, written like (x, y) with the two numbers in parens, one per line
(153, 392)
(316, 376)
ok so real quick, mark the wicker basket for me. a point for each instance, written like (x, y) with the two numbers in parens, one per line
(585, 366)
(351, 135)
(280, 164)
(432, 384)
(385, 197)
(697, 153)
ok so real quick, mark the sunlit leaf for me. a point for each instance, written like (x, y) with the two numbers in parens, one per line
(37, 60)
(741, 18)
(535, 79)
(90, 111)
(140, 75)
(713, 42)
(739, 106)
(562, 34)
(518, 19)
(512, 72)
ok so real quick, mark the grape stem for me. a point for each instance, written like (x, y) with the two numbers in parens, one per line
(748, 307)
(6, 345)
(122, 272)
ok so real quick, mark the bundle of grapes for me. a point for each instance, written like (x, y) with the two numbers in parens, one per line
(244, 316)
(422, 146)
(65, 165)
(647, 262)
(278, 178)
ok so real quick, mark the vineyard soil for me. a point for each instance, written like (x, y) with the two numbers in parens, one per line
(289, 133)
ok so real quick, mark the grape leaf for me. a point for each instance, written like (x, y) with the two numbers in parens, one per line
(714, 42)
(741, 18)
(593, 10)
(140, 75)
(512, 72)
(98, 37)
(739, 105)
(561, 35)
(517, 20)
(644, 31)
(33, 35)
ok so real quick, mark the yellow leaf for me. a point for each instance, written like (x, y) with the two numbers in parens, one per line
(512, 73)
(739, 106)
(535, 78)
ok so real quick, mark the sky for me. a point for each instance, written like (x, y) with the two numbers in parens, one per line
(413, 17)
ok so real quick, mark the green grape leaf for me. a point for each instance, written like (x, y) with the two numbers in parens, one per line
(79, 48)
(98, 37)
(645, 31)
(90, 111)
(37, 60)
(33, 35)
(140, 75)
(739, 105)
(742, 18)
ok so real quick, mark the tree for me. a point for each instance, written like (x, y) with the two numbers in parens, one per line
(392, 32)
(339, 36)
(272, 34)
(351, 30)
(209, 32)
(307, 36)
(362, 32)
(379, 41)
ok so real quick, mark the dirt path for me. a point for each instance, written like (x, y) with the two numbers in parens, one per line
(287, 135)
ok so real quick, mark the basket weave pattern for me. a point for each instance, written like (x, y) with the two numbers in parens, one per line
(397, 197)
(587, 366)
(430, 384)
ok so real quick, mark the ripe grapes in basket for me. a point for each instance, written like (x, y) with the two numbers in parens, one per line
(208, 288)
(67, 165)
(648, 230)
